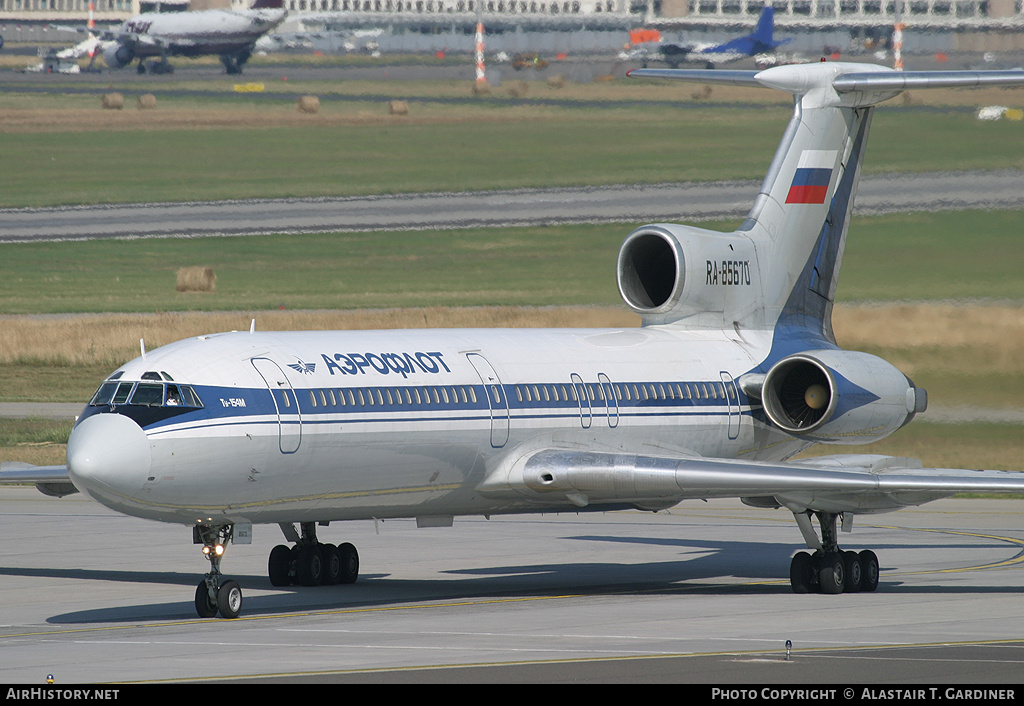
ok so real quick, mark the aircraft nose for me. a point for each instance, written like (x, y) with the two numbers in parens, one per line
(109, 452)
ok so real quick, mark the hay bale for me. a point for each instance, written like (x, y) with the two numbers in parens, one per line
(112, 101)
(557, 81)
(398, 108)
(196, 279)
(703, 93)
(309, 104)
(147, 101)
(518, 89)
(481, 88)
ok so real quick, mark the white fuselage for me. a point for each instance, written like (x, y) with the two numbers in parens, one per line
(345, 425)
(197, 33)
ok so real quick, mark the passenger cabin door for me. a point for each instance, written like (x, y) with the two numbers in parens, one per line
(495, 399)
(611, 402)
(586, 411)
(286, 404)
(733, 398)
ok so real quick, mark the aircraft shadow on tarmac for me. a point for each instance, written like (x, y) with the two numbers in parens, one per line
(759, 566)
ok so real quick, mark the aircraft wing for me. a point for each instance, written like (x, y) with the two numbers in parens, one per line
(49, 480)
(855, 483)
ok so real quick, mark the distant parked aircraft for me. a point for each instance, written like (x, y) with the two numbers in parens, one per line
(760, 41)
(228, 34)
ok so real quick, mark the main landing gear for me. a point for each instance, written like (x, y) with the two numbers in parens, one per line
(830, 569)
(310, 563)
(214, 594)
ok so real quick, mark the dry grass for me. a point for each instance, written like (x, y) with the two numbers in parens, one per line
(111, 339)
(988, 338)
(29, 113)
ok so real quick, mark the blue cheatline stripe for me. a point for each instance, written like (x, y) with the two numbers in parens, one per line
(244, 405)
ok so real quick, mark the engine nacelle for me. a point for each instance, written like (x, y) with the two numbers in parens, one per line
(671, 272)
(841, 397)
(117, 55)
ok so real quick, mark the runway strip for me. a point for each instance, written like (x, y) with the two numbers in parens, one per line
(629, 204)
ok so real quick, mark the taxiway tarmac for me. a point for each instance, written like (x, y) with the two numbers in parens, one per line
(699, 593)
(645, 203)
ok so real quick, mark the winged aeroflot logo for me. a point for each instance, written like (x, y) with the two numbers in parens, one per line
(303, 367)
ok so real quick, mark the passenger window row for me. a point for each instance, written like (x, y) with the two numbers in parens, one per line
(624, 392)
(568, 393)
(391, 396)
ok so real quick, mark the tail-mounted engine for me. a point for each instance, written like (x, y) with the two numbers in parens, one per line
(837, 396)
(671, 272)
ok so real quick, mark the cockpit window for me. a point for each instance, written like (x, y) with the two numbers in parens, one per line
(145, 394)
(148, 394)
(121, 395)
(103, 394)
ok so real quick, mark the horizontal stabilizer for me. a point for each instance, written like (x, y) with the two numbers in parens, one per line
(905, 80)
(844, 78)
(716, 76)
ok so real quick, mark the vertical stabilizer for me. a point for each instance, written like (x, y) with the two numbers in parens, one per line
(799, 219)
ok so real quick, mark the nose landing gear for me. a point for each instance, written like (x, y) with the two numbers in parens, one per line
(214, 594)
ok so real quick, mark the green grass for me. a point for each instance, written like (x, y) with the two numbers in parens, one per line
(34, 431)
(948, 255)
(525, 266)
(483, 146)
(930, 256)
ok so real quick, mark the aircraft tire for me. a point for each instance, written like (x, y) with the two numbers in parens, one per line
(279, 566)
(869, 570)
(205, 606)
(854, 572)
(832, 573)
(349, 563)
(309, 568)
(229, 599)
(801, 573)
(332, 564)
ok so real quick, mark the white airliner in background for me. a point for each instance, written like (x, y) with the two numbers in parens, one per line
(734, 371)
(229, 34)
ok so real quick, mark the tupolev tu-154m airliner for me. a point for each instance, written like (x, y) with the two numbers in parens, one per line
(734, 371)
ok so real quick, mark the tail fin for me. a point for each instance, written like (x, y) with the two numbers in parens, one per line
(799, 219)
(765, 30)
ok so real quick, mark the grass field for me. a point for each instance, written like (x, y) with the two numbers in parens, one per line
(219, 146)
(921, 256)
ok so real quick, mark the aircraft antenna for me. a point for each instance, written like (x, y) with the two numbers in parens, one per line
(142, 347)
(252, 326)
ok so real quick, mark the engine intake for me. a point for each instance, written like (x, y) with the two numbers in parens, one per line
(669, 272)
(799, 395)
(839, 396)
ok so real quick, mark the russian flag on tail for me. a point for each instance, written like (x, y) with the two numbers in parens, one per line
(812, 177)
